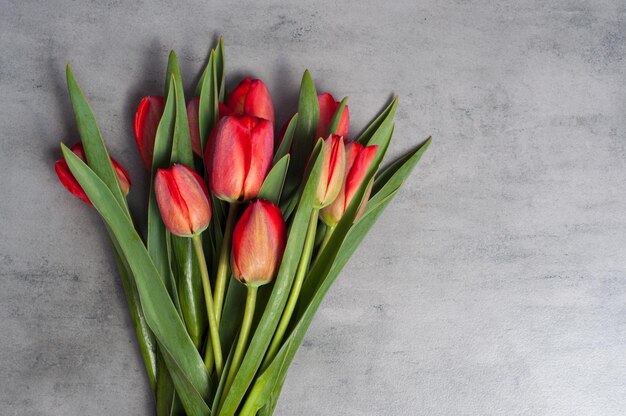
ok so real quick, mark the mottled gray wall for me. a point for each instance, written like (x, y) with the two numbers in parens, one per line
(493, 285)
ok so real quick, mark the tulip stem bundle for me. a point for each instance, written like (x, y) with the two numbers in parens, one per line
(211, 313)
(209, 149)
(222, 266)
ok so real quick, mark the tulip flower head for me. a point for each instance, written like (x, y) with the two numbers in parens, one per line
(238, 157)
(332, 175)
(251, 97)
(146, 123)
(328, 106)
(183, 200)
(358, 162)
(259, 240)
(71, 184)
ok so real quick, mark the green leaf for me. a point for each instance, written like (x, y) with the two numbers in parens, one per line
(285, 144)
(386, 114)
(145, 338)
(304, 135)
(157, 234)
(181, 146)
(334, 121)
(157, 306)
(220, 69)
(392, 177)
(274, 181)
(208, 109)
(95, 151)
(282, 285)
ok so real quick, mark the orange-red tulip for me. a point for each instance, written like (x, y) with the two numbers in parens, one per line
(251, 97)
(328, 106)
(358, 161)
(258, 244)
(183, 200)
(238, 157)
(332, 175)
(146, 123)
(71, 184)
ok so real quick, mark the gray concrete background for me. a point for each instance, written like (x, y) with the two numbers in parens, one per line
(493, 285)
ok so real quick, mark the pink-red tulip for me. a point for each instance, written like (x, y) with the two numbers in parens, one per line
(183, 200)
(332, 175)
(71, 184)
(258, 244)
(358, 161)
(251, 97)
(328, 106)
(238, 157)
(146, 123)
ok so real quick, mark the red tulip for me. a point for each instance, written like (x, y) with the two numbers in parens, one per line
(183, 200)
(71, 184)
(146, 123)
(238, 157)
(333, 166)
(328, 106)
(251, 98)
(358, 161)
(259, 240)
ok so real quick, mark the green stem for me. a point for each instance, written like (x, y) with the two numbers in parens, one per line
(303, 266)
(206, 284)
(329, 233)
(224, 260)
(242, 341)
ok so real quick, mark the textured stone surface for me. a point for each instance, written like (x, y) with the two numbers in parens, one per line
(493, 285)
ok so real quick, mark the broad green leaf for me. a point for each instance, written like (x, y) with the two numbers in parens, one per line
(285, 144)
(95, 151)
(232, 314)
(304, 135)
(157, 234)
(386, 114)
(334, 121)
(181, 146)
(274, 181)
(282, 285)
(190, 291)
(392, 177)
(165, 392)
(145, 338)
(157, 306)
(208, 110)
(192, 401)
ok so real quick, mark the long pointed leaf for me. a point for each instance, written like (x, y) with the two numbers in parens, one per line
(158, 308)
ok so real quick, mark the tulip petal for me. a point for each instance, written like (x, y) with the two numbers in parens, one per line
(147, 120)
(328, 106)
(259, 102)
(69, 181)
(193, 192)
(357, 171)
(171, 204)
(226, 159)
(261, 151)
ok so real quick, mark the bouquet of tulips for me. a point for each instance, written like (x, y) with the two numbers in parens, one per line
(246, 231)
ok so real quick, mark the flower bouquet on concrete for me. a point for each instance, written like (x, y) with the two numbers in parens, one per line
(246, 229)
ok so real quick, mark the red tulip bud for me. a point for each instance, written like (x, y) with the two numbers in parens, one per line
(183, 200)
(333, 166)
(358, 161)
(259, 240)
(328, 106)
(238, 157)
(71, 184)
(251, 98)
(146, 123)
